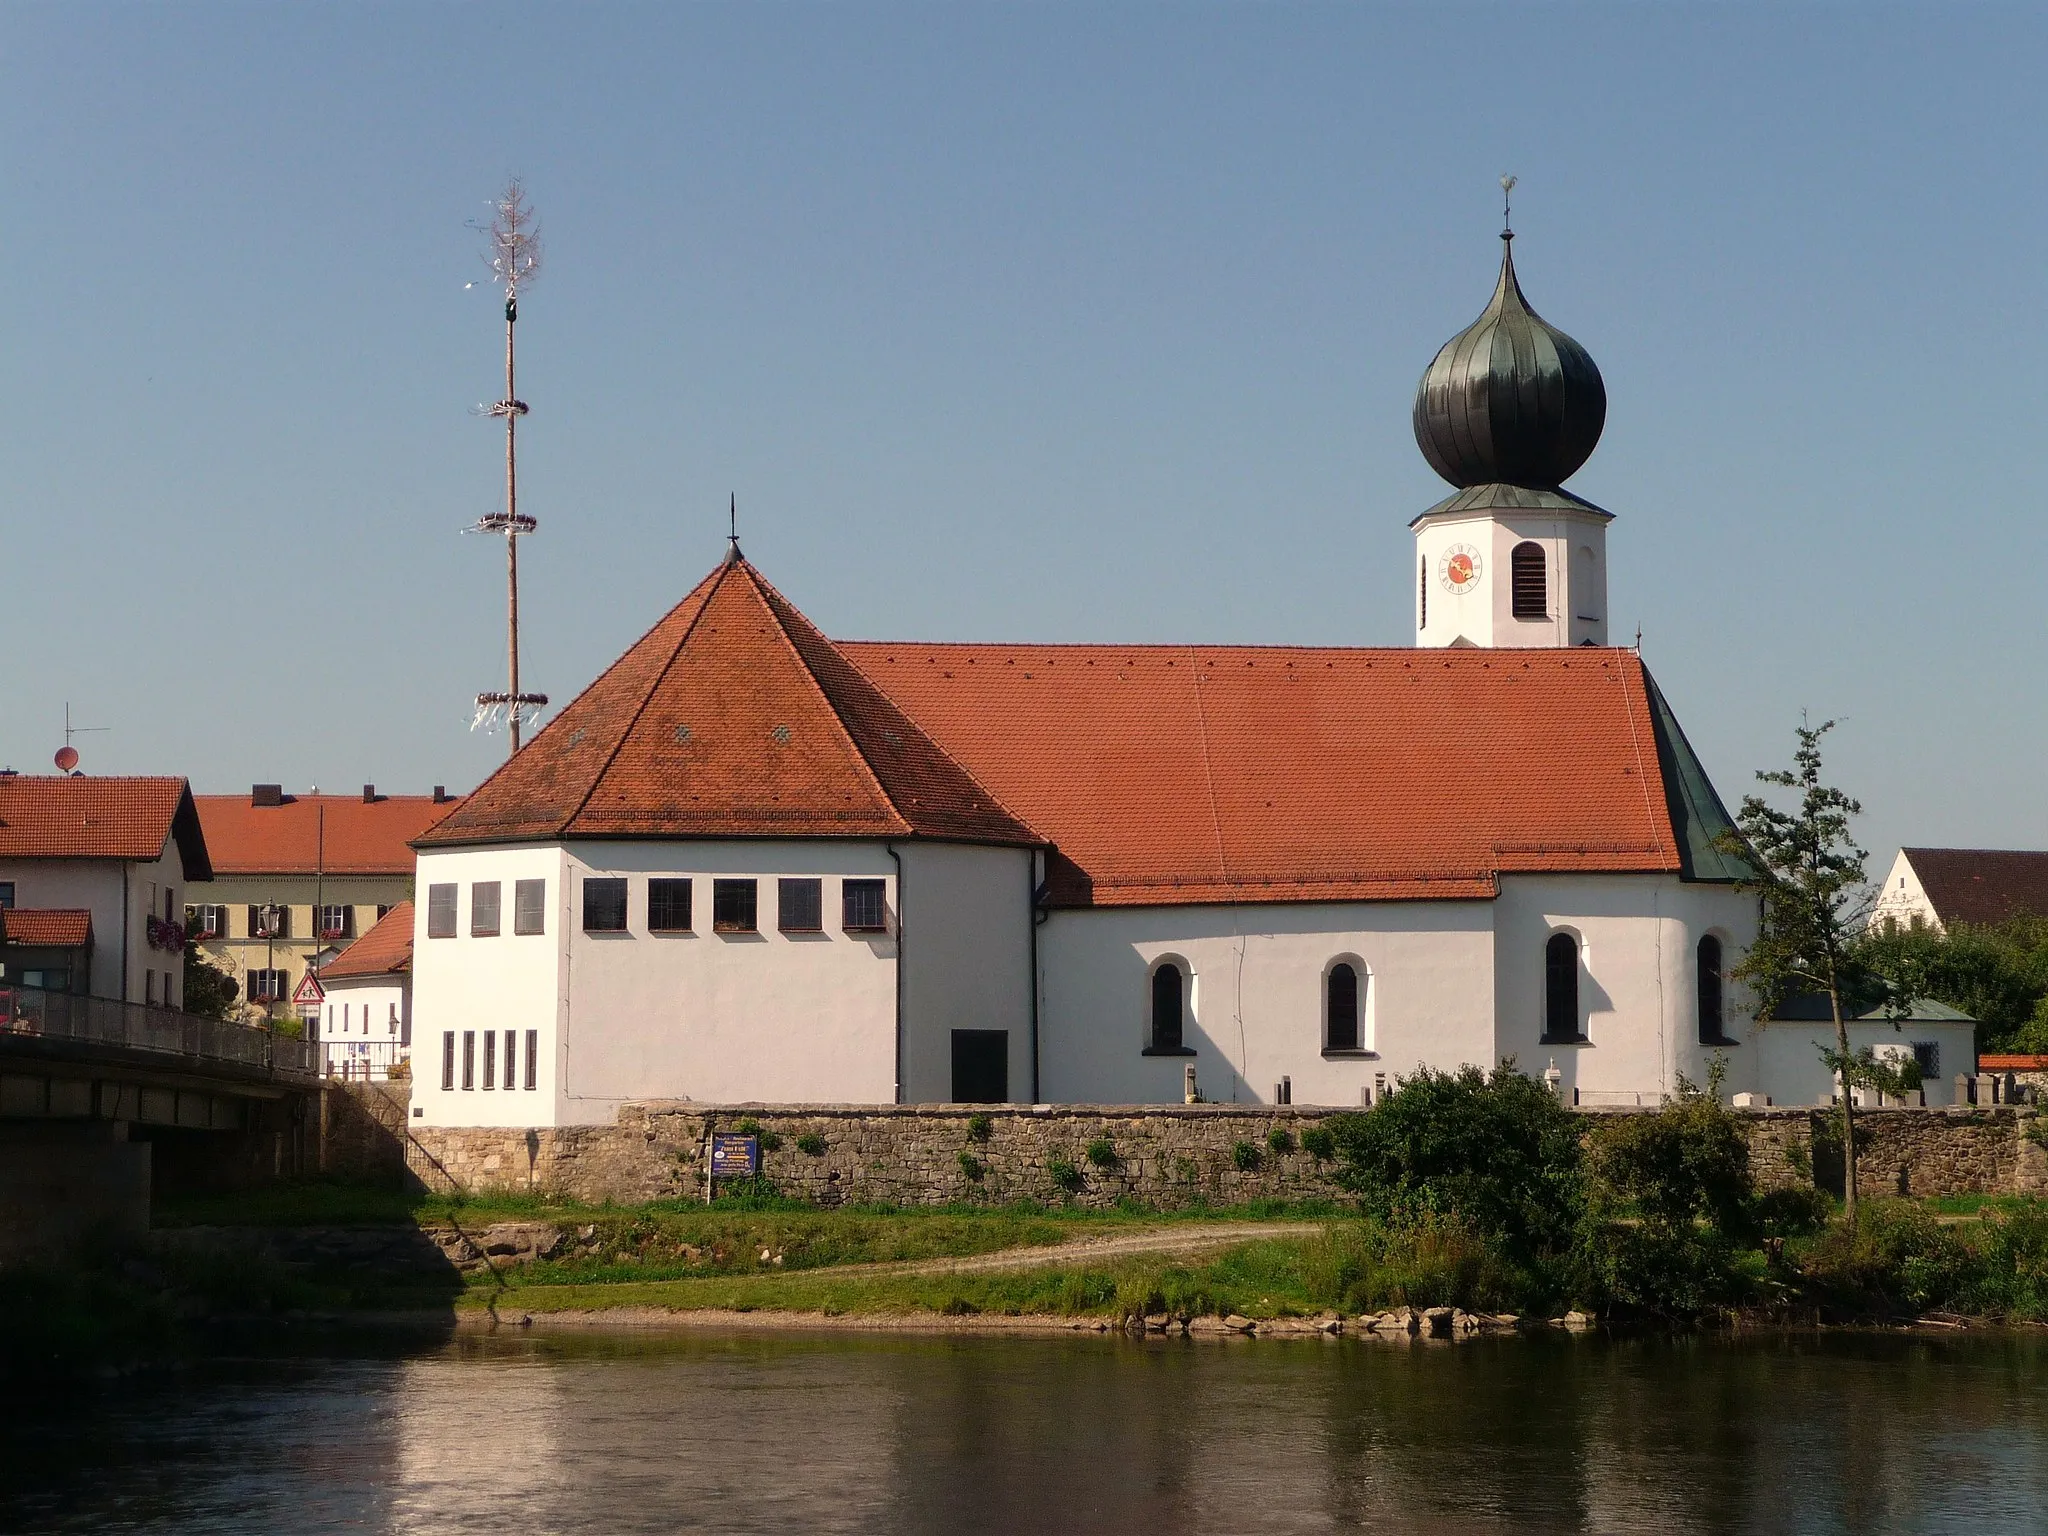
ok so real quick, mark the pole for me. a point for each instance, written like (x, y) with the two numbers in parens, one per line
(511, 524)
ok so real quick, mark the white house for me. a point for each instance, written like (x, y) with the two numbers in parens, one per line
(1939, 887)
(751, 863)
(366, 1008)
(93, 878)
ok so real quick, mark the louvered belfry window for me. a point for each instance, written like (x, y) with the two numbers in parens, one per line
(1530, 578)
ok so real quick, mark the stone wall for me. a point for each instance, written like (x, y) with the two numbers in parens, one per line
(363, 1130)
(1165, 1157)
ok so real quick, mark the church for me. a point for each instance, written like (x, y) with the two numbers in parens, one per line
(750, 863)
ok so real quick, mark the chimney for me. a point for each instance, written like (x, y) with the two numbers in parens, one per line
(369, 794)
(440, 794)
(266, 794)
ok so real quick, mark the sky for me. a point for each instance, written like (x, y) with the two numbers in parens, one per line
(1007, 322)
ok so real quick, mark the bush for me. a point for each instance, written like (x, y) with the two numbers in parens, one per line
(1798, 1211)
(770, 1142)
(1064, 1175)
(980, 1127)
(1244, 1156)
(2012, 1265)
(1102, 1152)
(1497, 1151)
(1687, 1163)
(811, 1144)
(1278, 1139)
(1673, 1271)
(970, 1167)
(1431, 1261)
(1894, 1259)
(1318, 1143)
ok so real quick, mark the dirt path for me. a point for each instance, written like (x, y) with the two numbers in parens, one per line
(1187, 1237)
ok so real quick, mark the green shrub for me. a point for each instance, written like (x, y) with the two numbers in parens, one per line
(2012, 1265)
(1797, 1211)
(1894, 1259)
(811, 1144)
(970, 1167)
(1064, 1175)
(1498, 1151)
(980, 1127)
(1244, 1156)
(770, 1142)
(1318, 1143)
(1430, 1261)
(1102, 1152)
(1278, 1139)
(1687, 1163)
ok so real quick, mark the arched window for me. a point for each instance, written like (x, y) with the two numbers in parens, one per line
(1169, 988)
(1342, 1013)
(1529, 581)
(1561, 989)
(1711, 1032)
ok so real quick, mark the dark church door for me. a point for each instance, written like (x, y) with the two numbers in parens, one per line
(981, 1066)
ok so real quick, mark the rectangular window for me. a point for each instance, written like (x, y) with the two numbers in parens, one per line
(149, 988)
(207, 922)
(604, 905)
(864, 906)
(733, 908)
(490, 1059)
(170, 905)
(668, 906)
(334, 922)
(6, 895)
(1927, 1056)
(441, 911)
(801, 904)
(270, 922)
(468, 1059)
(532, 1051)
(266, 986)
(530, 906)
(511, 1059)
(483, 909)
(448, 1061)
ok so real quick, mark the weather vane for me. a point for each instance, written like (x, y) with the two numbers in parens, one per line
(1507, 187)
(512, 251)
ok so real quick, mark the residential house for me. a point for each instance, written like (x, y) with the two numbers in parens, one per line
(366, 1008)
(1939, 887)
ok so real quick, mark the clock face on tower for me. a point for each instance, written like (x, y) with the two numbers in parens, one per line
(1459, 569)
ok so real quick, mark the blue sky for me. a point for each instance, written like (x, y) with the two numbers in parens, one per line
(1008, 322)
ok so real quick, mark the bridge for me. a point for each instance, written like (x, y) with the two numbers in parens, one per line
(102, 1102)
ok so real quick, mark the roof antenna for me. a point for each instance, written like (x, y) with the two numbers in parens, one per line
(1507, 186)
(732, 536)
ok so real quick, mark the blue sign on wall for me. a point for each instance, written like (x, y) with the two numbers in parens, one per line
(735, 1157)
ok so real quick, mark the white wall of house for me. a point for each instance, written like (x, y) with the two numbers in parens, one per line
(1575, 549)
(366, 1021)
(967, 915)
(1638, 939)
(1902, 900)
(1255, 1005)
(120, 916)
(1794, 1073)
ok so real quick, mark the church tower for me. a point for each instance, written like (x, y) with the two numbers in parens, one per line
(1509, 409)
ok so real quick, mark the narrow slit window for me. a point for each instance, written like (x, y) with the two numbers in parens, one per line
(1561, 989)
(1529, 578)
(734, 906)
(448, 1061)
(604, 905)
(511, 1058)
(532, 1055)
(468, 1059)
(800, 905)
(1422, 593)
(1343, 1007)
(483, 911)
(490, 1059)
(1169, 993)
(668, 906)
(1710, 999)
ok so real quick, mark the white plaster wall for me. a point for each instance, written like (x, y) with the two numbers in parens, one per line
(1575, 545)
(1256, 997)
(1794, 1073)
(95, 885)
(967, 915)
(512, 981)
(1638, 941)
(1902, 898)
(373, 1011)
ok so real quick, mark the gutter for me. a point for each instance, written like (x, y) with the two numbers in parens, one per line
(1039, 914)
(891, 848)
(124, 931)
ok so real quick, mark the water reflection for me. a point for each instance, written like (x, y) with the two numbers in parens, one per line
(744, 1433)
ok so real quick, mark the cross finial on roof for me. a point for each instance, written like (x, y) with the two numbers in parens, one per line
(1507, 187)
(732, 535)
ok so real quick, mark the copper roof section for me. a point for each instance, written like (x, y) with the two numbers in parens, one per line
(386, 950)
(46, 927)
(44, 816)
(1982, 885)
(1171, 774)
(732, 717)
(362, 837)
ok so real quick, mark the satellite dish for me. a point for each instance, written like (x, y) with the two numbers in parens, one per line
(67, 759)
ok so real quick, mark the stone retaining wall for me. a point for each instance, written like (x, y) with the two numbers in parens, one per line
(1163, 1156)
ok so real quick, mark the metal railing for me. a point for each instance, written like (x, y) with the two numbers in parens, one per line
(104, 1021)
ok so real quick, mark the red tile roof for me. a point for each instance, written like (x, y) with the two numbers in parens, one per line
(1991, 1062)
(733, 716)
(360, 837)
(1982, 885)
(45, 816)
(1212, 773)
(46, 927)
(386, 950)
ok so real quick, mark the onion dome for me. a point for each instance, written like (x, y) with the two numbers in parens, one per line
(1509, 400)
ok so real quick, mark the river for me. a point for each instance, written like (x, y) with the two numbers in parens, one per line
(921, 1435)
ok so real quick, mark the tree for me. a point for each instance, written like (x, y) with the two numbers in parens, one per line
(209, 991)
(1809, 874)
